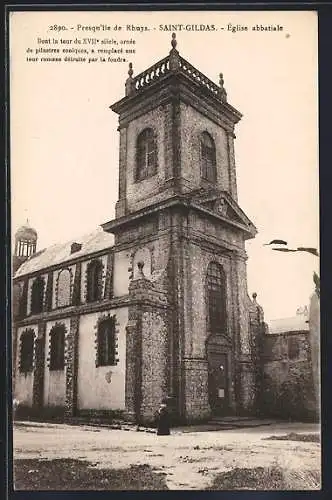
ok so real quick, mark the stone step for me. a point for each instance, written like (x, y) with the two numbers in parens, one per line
(239, 423)
(231, 418)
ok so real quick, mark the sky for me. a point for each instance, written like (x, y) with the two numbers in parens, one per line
(64, 139)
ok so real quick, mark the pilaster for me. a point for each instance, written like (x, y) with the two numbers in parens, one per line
(71, 368)
(76, 300)
(195, 376)
(39, 367)
(120, 208)
(231, 166)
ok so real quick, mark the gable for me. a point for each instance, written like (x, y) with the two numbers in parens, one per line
(222, 205)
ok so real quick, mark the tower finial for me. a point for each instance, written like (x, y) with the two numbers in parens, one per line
(174, 41)
(130, 70)
(140, 266)
(174, 58)
(130, 88)
(223, 93)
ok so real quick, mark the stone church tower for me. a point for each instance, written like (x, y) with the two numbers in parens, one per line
(180, 233)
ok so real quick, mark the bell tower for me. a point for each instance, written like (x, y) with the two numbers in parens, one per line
(178, 138)
(178, 213)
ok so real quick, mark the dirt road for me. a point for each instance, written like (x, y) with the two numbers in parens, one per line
(190, 460)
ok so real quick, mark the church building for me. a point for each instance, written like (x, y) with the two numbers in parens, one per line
(154, 304)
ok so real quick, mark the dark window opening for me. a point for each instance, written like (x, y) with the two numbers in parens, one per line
(208, 158)
(94, 281)
(106, 343)
(146, 155)
(22, 306)
(57, 348)
(75, 247)
(293, 348)
(26, 354)
(37, 295)
(216, 298)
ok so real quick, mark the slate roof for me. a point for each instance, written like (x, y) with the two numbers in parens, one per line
(296, 323)
(61, 252)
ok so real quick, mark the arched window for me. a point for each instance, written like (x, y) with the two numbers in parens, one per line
(22, 311)
(57, 347)
(64, 286)
(146, 155)
(37, 295)
(94, 281)
(216, 298)
(208, 158)
(106, 345)
(26, 352)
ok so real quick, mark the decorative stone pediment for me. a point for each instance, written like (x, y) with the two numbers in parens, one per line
(222, 204)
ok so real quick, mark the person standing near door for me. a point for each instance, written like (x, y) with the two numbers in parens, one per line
(163, 420)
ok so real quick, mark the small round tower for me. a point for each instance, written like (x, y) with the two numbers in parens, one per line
(25, 244)
(25, 241)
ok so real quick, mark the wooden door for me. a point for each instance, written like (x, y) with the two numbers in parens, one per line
(218, 393)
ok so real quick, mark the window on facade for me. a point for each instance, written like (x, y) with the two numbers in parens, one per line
(22, 306)
(94, 281)
(26, 353)
(208, 158)
(64, 286)
(293, 348)
(57, 348)
(146, 155)
(216, 298)
(37, 295)
(106, 342)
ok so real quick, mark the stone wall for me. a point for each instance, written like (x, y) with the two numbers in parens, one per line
(287, 384)
(142, 193)
(193, 124)
(101, 387)
(196, 404)
(314, 340)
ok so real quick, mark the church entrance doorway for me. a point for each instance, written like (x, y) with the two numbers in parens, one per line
(218, 379)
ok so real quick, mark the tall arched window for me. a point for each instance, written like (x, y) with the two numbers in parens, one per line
(106, 344)
(57, 347)
(26, 352)
(146, 155)
(23, 300)
(208, 158)
(37, 295)
(94, 281)
(216, 298)
(64, 288)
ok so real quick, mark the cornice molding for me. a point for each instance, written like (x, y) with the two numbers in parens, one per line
(176, 86)
(71, 311)
(180, 201)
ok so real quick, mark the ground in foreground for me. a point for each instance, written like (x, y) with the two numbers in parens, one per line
(57, 456)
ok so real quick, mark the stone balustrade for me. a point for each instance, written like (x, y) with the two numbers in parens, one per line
(163, 67)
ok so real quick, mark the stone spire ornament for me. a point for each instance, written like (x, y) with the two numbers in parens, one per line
(259, 309)
(174, 41)
(140, 273)
(174, 58)
(130, 88)
(223, 93)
